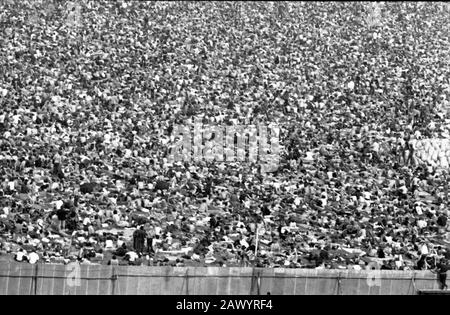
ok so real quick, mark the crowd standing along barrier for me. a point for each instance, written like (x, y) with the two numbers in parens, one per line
(44, 279)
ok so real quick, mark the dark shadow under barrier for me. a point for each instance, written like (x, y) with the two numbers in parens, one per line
(433, 292)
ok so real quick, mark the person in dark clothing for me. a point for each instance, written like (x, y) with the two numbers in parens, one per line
(421, 263)
(441, 268)
(380, 253)
(139, 237)
(62, 216)
(442, 221)
(214, 222)
(121, 251)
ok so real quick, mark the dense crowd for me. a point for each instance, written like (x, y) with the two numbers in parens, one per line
(90, 92)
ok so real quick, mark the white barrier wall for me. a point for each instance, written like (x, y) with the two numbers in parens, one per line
(25, 279)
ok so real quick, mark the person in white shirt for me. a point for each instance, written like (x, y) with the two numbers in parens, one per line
(424, 249)
(422, 224)
(86, 221)
(132, 256)
(20, 255)
(157, 231)
(33, 258)
(109, 244)
(16, 119)
(116, 217)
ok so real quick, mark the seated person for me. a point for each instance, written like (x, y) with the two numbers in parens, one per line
(121, 251)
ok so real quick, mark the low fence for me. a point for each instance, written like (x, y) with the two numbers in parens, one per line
(25, 279)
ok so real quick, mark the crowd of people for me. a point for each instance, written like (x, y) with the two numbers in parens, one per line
(90, 92)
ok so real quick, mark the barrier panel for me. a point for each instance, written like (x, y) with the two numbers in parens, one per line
(44, 279)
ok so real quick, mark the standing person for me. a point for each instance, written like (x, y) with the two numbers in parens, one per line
(62, 216)
(150, 236)
(139, 237)
(57, 161)
(409, 150)
(441, 268)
